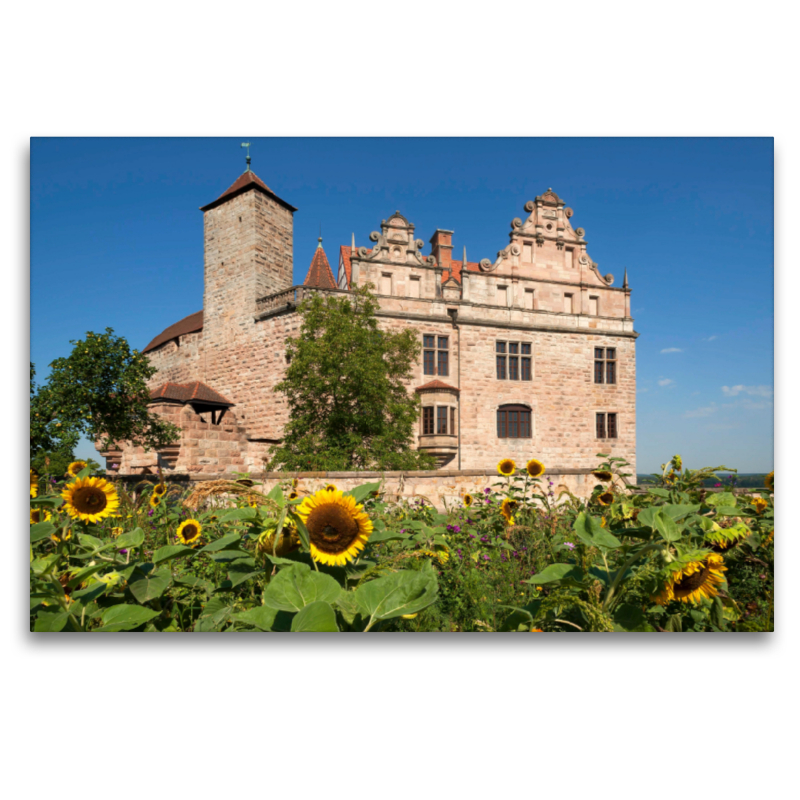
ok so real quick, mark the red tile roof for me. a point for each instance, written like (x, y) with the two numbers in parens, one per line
(344, 256)
(436, 384)
(319, 273)
(189, 392)
(247, 180)
(456, 267)
(190, 324)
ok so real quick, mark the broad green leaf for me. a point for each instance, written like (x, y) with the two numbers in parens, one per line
(239, 515)
(317, 616)
(125, 617)
(667, 527)
(147, 587)
(90, 541)
(171, 551)
(718, 612)
(556, 572)
(730, 511)
(195, 582)
(276, 494)
(581, 530)
(678, 511)
(297, 586)
(520, 618)
(647, 516)
(214, 615)
(50, 621)
(261, 617)
(221, 544)
(90, 592)
(361, 493)
(47, 500)
(134, 538)
(629, 617)
(658, 492)
(41, 530)
(222, 556)
(302, 532)
(241, 571)
(720, 499)
(600, 536)
(404, 592)
(386, 535)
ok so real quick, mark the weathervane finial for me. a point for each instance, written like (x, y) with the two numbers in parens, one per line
(247, 145)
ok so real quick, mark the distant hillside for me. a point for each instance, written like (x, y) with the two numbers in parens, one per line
(743, 480)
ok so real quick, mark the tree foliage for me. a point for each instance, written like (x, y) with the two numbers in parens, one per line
(99, 391)
(345, 384)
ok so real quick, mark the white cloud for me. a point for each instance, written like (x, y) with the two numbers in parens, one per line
(711, 338)
(672, 350)
(665, 381)
(757, 391)
(643, 390)
(705, 411)
(750, 405)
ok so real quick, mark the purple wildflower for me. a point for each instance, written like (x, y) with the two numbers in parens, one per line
(150, 513)
(123, 552)
(570, 545)
(115, 466)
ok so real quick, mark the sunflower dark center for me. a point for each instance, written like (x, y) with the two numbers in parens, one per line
(331, 528)
(35, 515)
(690, 583)
(90, 500)
(190, 531)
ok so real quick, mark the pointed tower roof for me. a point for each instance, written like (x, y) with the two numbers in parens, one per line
(320, 275)
(246, 181)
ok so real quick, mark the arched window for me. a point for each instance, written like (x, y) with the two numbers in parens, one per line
(514, 422)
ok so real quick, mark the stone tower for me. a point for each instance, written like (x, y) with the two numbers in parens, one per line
(248, 254)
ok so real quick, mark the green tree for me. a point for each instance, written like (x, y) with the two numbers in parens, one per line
(99, 391)
(345, 385)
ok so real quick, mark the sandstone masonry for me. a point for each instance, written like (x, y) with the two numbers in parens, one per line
(531, 354)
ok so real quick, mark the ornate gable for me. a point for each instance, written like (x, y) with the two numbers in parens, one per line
(395, 244)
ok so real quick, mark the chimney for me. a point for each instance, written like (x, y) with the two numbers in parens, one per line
(442, 247)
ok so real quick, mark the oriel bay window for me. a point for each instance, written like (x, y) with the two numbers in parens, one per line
(606, 424)
(435, 355)
(513, 422)
(438, 420)
(605, 365)
(513, 361)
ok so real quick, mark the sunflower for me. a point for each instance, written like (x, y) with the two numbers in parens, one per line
(293, 495)
(695, 576)
(115, 532)
(155, 500)
(75, 467)
(507, 467)
(536, 630)
(34, 484)
(330, 487)
(67, 536)
(442, 556)
(769, 481)
(603, 475)
(606, 498)
(337, 526)
(760, 504)
(677, 463)
(723, 539)
(160, 489)
(289, 539)
(189, 531)
(38, 515)
(507, 509)
(90, 499)
(468, 500)
(534, 468)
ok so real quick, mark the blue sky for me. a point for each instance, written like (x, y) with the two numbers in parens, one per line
(117, 241)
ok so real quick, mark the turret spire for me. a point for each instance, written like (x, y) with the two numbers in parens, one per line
(625, 279)
(247, 145)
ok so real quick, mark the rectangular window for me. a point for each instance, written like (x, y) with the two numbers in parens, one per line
(500, 348)
(527, 253)
(427, 420)
(612, 426)
(605, 364)
(386, 283)
(413, 287)
(600, 424)
(593, 301)
(525, 362)
(514, 422)
(513, 361)
(568, 257)
(435, 355)
(443, 362)
(567, 303)
(502, 296)
(441, 419)
(452, 421)
(529, 299)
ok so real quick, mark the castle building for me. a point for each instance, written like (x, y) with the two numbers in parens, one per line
(531, 354)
